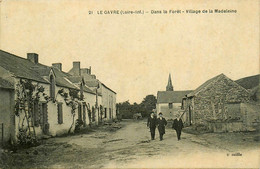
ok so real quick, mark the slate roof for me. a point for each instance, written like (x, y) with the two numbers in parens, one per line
(78, 79)
(6, 84)
(108, 88)
(75, 79)
(92, 83)
(171, 96)
(249, 82)
(86, 89)
(23, 68)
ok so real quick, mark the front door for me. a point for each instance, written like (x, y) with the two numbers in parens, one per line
(45, 124)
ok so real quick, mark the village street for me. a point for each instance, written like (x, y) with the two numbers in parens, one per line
(130, 146)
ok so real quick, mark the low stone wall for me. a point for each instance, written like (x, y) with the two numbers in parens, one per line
(234, 126)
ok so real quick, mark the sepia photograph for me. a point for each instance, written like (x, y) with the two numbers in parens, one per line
(129, 84)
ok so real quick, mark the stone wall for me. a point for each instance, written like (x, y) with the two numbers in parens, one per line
(219, 127)
(210, 103)
(250, 115)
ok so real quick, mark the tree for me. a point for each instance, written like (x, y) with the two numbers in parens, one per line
(148, 104)
(127, 110)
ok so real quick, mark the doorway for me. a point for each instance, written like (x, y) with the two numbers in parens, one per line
(45, 124)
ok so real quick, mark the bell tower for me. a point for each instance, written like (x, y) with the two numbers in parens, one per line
(169, 86)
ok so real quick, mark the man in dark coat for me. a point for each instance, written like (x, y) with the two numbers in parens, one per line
(151, 123)
(161, 122)
(178, 125)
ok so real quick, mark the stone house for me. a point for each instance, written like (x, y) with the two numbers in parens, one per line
(252, 84)
(251, 111)
(40, 99)
(169, 101)
(107, 110)
(217, 100)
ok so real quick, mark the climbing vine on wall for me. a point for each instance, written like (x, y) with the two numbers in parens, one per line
(71, 100)
(26, 95)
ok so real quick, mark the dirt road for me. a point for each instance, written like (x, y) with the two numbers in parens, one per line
(131, 147)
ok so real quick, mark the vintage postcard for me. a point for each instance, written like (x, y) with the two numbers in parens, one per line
(129, 84)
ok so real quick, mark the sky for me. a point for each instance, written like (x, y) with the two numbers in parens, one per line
(134, 54)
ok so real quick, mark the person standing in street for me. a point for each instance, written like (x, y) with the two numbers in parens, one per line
(178, 125)
(161, 125)
(151, 123)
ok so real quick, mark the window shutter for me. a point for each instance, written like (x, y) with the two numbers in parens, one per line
(105, 113)
(93, 113)
(79, 112)
(84, 114)
(41, 114)
(60, 113)
(36, 114)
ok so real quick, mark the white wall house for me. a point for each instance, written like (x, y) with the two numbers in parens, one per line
(107, 95)
(42, 99)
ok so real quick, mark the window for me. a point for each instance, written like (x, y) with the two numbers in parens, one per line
(44, 118)
(52, 87)
(36, 114)
(60, 113)
(105, 113)
(170, 105)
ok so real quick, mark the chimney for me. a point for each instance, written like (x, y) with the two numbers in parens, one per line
(76, 68)
(33, 57)
(57, 65)
(90, 70)
(93, 76)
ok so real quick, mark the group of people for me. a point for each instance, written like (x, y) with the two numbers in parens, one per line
(161, 122)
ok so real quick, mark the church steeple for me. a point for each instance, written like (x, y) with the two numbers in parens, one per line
(169, 86)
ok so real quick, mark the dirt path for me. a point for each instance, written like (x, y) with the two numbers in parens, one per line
(131, 147)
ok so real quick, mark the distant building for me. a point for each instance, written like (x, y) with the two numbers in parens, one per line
(169, 101)
(107, 110)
